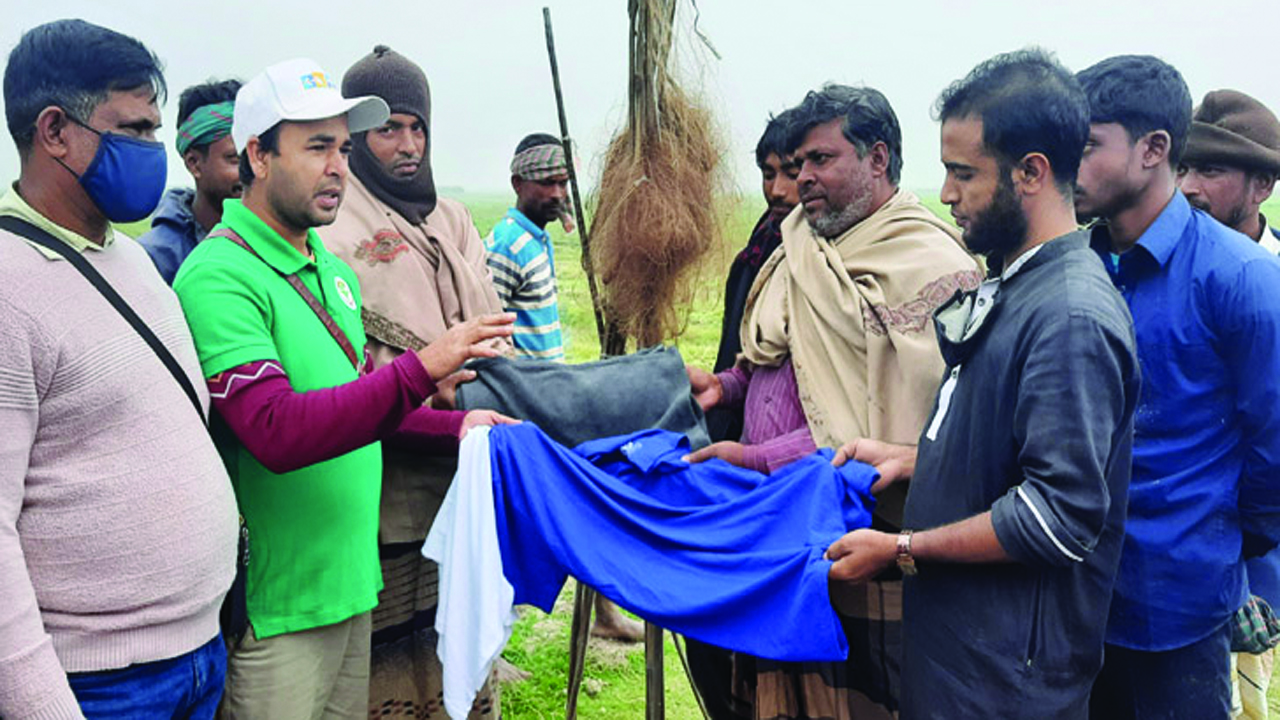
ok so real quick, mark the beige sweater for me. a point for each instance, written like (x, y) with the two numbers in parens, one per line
(117, 519)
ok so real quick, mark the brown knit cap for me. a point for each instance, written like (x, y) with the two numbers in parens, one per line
(1232, 128)
(392, 77)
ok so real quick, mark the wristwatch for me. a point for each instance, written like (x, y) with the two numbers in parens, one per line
(906, 563)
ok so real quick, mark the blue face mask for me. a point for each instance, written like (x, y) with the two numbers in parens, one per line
(126, 177)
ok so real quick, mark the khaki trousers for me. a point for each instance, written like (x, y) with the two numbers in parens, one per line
(316, 674)
(1251, 678)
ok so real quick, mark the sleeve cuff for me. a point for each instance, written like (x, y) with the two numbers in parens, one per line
(1029, 533)
(415, 377)
(754, 459)
(34, 687)
(451, 420)
(733, 386)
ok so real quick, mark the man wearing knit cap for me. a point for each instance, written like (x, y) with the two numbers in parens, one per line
(1232, 162)
(1229, 169)
(422, 270)
(186, 215)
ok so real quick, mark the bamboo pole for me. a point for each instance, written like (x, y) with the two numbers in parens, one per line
(584, 599)
(583, 237)
(654, 692)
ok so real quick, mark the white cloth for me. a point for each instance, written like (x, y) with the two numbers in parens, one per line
(464, 542)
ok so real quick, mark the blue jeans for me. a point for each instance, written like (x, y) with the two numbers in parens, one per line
(187, 687)
(1191, 683)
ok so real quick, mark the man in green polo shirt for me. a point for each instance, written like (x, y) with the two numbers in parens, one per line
(288, 376)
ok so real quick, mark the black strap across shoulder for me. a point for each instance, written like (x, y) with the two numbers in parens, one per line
(35, 234)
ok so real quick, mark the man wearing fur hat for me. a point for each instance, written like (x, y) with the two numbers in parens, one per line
(1229, 169)
(421, 266)
(1232, 162)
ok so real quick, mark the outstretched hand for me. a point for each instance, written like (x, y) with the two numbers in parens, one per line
(861, 555)
(462, 342)
(476, 418)
(705, 386)
(894, 462)
(728, 451)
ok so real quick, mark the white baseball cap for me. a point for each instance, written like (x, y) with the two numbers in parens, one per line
(299, 90)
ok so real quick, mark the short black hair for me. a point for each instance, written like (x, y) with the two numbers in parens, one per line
(1027, 102)
(868, 119)
(269, 141)
(208, 93)
(536, 140)
(1143, 94)
(72, 64)
(774, 139)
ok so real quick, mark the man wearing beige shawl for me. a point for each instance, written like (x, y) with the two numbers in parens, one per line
(421, 267)
(838, 343)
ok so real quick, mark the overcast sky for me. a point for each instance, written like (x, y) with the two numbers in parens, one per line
(487, 64)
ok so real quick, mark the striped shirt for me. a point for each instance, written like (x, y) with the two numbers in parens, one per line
(524, 274)
(775, 430)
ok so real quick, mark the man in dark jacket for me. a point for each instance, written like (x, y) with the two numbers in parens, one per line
(1019, 481)
(185, 215)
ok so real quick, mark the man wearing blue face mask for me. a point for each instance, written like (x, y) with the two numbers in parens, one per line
(117, 520)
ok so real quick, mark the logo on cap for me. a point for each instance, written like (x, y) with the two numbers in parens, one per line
(314, 80)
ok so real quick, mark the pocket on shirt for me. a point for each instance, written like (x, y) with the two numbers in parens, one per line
(1043, 654)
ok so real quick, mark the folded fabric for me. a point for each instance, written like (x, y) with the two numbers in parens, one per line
(577, 403)
(723, 555)
(475, 613)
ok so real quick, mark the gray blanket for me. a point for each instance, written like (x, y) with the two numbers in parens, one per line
(577, 403)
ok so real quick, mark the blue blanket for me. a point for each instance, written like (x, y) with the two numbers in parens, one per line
(724, 555)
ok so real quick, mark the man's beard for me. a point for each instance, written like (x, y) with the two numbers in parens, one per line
(1233, 219)
(548, 213)
(1002, 227)
(837, 221)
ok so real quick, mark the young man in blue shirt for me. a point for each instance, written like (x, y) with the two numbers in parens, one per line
(1205, 492)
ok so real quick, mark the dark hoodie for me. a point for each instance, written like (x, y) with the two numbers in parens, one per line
(174, 232)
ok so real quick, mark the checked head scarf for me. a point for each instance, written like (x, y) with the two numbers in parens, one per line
(206, 125)
(540, 162)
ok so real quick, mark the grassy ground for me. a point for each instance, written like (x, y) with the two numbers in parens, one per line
(614, 685)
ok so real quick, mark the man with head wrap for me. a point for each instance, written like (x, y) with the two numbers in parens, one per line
(521, 258)
(186, 215)
(421, 266)
(520, 252)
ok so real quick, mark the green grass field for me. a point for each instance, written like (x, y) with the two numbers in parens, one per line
(614, 685)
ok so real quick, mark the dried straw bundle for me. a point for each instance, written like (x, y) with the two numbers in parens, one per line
(656, 205)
